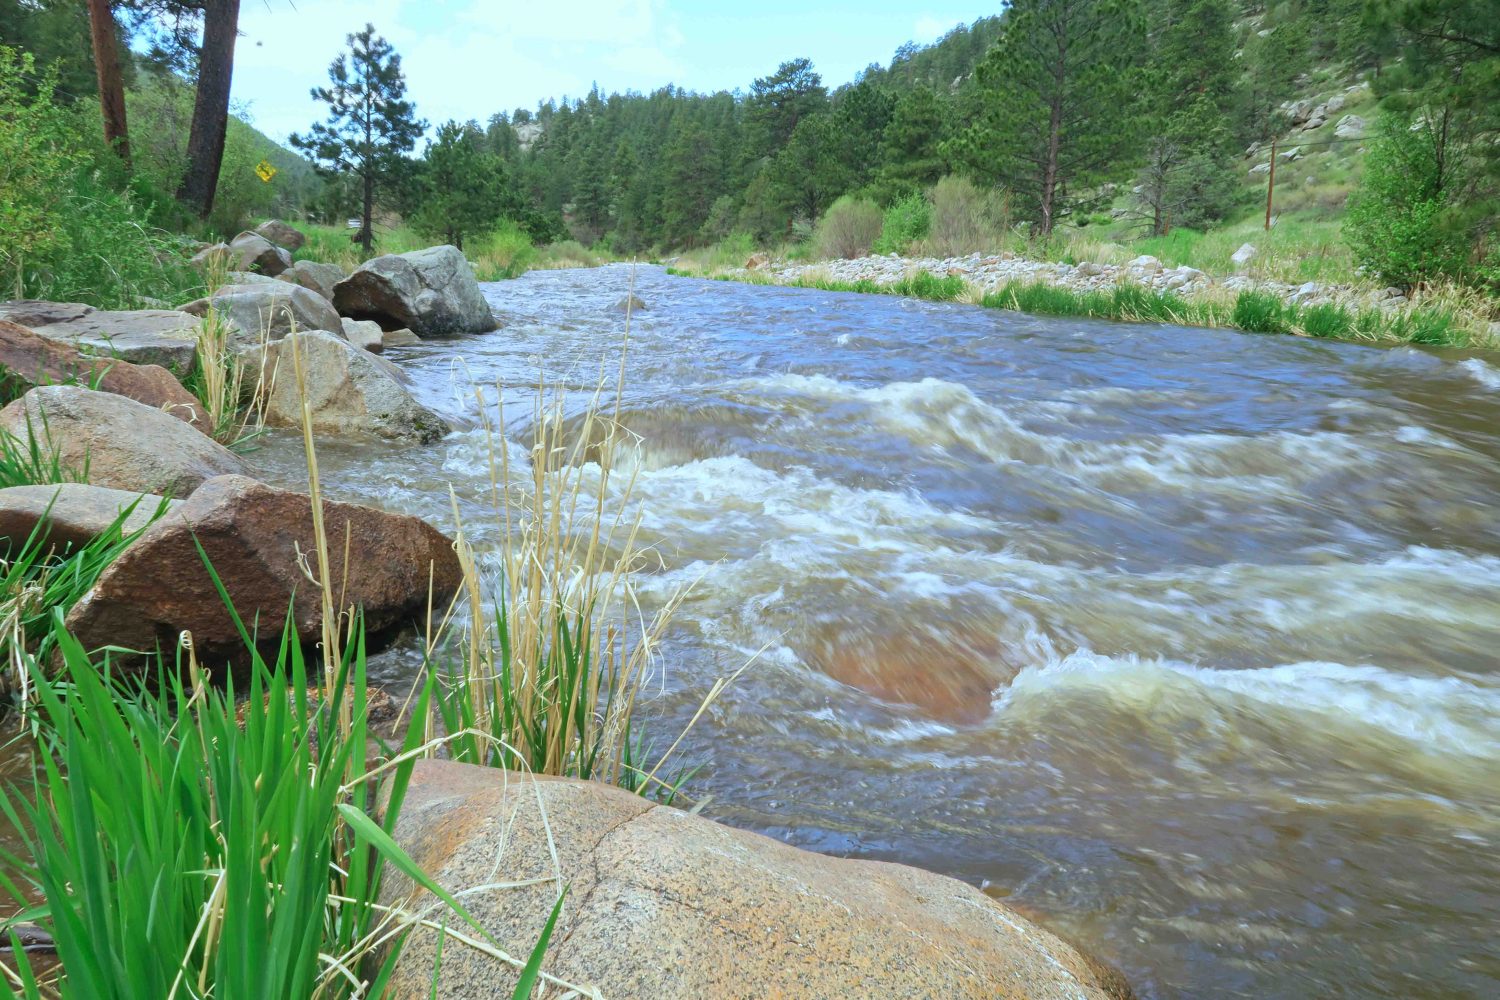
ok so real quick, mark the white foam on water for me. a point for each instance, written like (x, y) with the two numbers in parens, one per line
(940, 414)
(1486, 375)
(1456, 716)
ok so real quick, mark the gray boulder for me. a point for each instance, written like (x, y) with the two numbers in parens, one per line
(314, 276)
(250, 278)
(672, 906)
(630, 303)
(365, 334)
(211, 256)
(252, 252)
(166, 337)
(430, 292)
(1242, 257)
(72, 514)
(123, 444)
(270, 310)
(350, 392)
(281, 234)
(399, 338)
(1350, 127)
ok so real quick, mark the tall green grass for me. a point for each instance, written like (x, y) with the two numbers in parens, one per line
(38, 582)
(34, 459)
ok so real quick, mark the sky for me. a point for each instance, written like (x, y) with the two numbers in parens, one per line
(471, 58)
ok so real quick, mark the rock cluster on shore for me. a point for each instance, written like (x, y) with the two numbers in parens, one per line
(100, 393)
(990, 272)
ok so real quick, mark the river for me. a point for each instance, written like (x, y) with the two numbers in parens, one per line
(1183, 641)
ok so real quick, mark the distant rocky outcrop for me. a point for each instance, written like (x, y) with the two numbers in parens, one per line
(430, 292)
(123, 444)
(256, 538)
(667, 905)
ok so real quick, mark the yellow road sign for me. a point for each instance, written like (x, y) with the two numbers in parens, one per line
(265, 171)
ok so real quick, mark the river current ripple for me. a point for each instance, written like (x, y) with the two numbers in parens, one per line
(1183, 641)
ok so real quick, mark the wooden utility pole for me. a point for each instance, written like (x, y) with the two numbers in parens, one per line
(107, 70)
(1271, 185)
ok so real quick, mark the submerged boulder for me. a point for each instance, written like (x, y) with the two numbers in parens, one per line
(122, 444)
(672, 906)
(281, 234)
(256, 538)
(72, 514)
(253, 252)
(349, 391)
(270, 310)
(430, 292)
(166, 337)
(29, 360)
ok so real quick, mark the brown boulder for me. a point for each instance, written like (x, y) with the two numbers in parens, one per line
(73, 513)
(281, 234)
(32, 360)
(667, 905)
(163, 337)
(314, 276)
(123, 444)
(256, 537)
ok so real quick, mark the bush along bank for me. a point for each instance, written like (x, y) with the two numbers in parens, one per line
(1144, 291)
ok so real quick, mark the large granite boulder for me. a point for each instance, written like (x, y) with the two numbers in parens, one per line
(252, 252)
(429, 292)
(281, 234)
(350, 392)
(72, 514)
(256, 538)
(671, 906)
(28, 360)
(166, 337)
(314, 276)
(121, 443)
(270, 310)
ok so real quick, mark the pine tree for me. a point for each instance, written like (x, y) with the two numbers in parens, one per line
(370, 121)
(464, 189)
(778, 103)
(1057, 87)
(912, 143)
(1187, 96)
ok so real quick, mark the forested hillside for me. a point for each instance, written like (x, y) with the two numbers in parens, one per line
(1132, 118)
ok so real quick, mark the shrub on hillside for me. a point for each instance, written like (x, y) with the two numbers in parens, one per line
(849, 229)
(965, 219)
(1399, 224)
(906, 221)
(65, 234)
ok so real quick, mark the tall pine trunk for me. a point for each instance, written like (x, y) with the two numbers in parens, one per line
(102, 31)
(211, 107)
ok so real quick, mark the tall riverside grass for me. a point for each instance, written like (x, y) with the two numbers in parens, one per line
(183, 851)
(1438, 322)
(37, 583)
(556, 648)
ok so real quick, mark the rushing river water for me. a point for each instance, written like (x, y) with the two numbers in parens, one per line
(1183, 640)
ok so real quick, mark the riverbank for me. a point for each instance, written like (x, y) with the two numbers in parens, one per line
(1142, 290)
